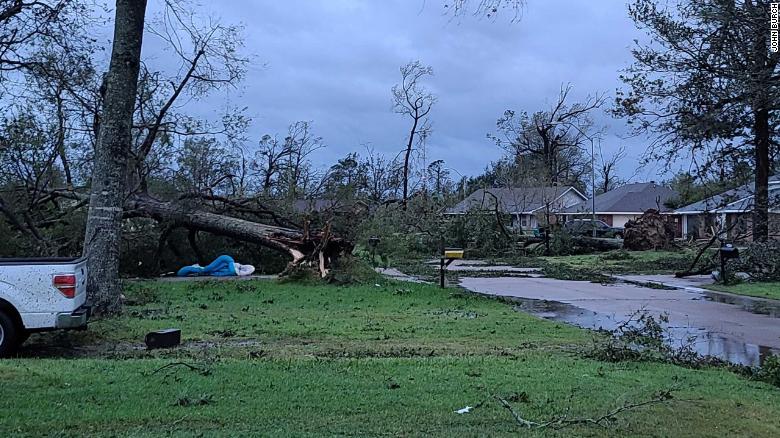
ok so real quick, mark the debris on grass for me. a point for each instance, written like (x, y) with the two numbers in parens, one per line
(563, 421)
(465, 410)
(200, 400)
(202, 370)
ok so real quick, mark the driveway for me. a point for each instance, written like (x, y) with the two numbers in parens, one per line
(741, 330)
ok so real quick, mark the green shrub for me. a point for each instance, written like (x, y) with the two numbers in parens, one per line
(352, 270)
(761, 260)
(770, 371)
(562, 244)
(618, 254)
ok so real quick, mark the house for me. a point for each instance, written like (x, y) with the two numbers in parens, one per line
(620, 205)
(730, 211)
(526, 205)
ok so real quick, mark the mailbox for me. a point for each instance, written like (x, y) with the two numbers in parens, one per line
(728, 251)
(448, 255)
(453, 253)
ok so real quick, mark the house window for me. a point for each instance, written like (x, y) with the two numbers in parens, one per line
(524, 221)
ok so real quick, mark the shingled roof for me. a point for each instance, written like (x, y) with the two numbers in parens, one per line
(739, 199)
(514, 200)
(630, 198)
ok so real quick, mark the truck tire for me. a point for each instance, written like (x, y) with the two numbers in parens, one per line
(22, 337)
(9, 335)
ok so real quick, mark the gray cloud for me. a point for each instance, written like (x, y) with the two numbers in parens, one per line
(334, 62)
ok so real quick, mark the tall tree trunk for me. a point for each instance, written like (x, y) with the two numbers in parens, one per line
(763, 71)
(407, 156)
(104, 220)
(761, 199)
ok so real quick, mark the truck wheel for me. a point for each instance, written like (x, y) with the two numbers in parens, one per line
(22, 337)
(9, 335)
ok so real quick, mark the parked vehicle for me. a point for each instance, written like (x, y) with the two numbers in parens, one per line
(585, 227)
(40, 294)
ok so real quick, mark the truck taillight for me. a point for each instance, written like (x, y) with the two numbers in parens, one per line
(66, 284)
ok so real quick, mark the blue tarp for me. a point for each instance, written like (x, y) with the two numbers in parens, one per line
(222, 266)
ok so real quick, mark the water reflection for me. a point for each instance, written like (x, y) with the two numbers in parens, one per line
(704, 342)
(753, 305)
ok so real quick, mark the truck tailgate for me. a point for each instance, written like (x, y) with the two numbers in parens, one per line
(28, 284)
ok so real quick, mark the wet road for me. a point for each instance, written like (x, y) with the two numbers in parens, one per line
(737, 329)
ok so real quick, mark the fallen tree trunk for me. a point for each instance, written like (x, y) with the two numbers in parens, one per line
(317, 248)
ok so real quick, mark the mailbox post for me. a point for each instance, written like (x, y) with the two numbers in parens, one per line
(727, 251)
(373, 242)
(448, 256)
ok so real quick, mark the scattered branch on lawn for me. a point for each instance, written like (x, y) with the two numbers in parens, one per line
(563, 421)
(691, 270)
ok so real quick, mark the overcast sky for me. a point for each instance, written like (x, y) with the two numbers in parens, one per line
(334, 61)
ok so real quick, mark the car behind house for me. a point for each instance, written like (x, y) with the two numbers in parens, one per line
(585, 227)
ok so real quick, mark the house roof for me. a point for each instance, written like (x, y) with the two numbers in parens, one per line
(735, 200)
(630, 198)
(516, 200)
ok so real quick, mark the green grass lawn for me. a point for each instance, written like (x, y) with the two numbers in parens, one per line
(762, 290)
(394, 359)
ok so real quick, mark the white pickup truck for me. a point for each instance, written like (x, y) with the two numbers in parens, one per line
(39, 294)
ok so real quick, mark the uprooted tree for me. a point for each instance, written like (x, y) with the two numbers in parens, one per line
(218, 196)
(649, 231)
(129, 151)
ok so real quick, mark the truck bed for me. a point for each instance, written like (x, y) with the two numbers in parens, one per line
(40, 260)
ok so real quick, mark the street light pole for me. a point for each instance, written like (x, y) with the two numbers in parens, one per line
(593, 183)
(462, 182)
(592, 176)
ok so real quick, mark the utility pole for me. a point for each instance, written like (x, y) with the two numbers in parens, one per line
(593, 182)
(592, 176)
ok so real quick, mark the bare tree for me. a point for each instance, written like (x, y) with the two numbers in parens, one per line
(413, 100)
(268, 162)
(379, 172)
(104, 220)
(297, 173)
(552, 140)
(487, 8)
(439, 175)
(607, 170)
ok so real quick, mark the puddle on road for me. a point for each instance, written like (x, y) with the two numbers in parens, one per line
(706, 344)
(759, 306)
